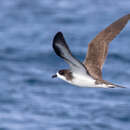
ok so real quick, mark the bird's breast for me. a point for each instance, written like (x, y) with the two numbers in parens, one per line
(83, 80)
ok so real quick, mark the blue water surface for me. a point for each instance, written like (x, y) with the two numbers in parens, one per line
(29, 97)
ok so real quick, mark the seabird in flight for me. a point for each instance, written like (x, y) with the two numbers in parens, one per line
(88, 73)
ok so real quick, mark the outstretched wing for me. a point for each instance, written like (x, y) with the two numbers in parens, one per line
(98, 47)
(62, 50)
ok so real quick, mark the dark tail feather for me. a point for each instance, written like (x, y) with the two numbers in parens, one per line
(119, 86)
(115, 85)
(112, 85)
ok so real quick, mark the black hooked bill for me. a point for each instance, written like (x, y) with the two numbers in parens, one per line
(54, 76)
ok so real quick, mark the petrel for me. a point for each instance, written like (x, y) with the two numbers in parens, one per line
(88, 73)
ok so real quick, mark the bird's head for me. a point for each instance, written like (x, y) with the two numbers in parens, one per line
(63, 74)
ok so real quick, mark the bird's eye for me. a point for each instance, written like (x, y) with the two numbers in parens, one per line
(61, 72)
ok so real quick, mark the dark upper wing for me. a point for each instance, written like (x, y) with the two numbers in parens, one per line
(98, 47)
(62, 50)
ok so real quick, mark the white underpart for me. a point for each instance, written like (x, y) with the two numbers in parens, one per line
(105, 86)
(83, 81)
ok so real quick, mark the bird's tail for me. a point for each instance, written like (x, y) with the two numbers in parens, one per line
(111, 85)
(119, 86)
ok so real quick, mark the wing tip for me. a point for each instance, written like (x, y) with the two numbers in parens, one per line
(58, 40)
(127, 16)
(58, 37)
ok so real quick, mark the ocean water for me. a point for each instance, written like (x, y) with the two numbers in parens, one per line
(29, 97)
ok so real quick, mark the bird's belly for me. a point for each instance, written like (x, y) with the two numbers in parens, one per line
(86, 81)
(83, 81)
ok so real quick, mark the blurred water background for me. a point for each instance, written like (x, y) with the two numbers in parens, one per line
(29, 97)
